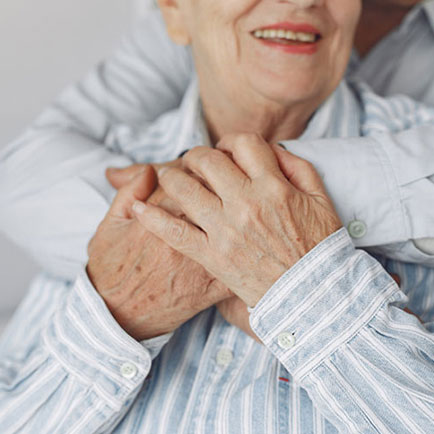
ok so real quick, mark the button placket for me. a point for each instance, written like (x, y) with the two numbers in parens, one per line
(224, 357)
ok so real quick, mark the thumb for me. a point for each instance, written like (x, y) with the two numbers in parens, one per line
(300, 173)
(139, 187)
(118, 177)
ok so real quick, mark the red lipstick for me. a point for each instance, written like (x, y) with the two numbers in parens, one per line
(292, 47)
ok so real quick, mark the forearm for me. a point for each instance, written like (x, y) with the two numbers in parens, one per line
(366, 364)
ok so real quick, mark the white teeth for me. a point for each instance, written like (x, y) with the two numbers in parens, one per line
(282, 34)
(305, 37)
(291, 35)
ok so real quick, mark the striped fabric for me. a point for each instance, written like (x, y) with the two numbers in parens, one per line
(359, 363)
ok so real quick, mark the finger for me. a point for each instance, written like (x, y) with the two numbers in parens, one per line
(118, 177)
(175, 232)
(139, 188)
(300, 173)
(218, 171)
(198, 203)
(251, 153)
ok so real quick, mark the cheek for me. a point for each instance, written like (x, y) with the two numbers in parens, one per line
(345, 14)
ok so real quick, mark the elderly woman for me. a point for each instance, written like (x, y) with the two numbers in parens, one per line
(338, 353)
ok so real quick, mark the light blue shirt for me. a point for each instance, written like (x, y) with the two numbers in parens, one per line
(339, 352)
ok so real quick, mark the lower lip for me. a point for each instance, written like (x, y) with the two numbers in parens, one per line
(308, 48)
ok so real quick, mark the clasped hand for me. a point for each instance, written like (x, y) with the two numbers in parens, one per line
(247, 222)
(222, 221)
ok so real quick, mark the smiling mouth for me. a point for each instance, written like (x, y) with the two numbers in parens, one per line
(286, 37)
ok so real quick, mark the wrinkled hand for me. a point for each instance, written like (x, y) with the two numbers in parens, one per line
(232, 309)
(254, 223)
(150, 288)
(119, 178)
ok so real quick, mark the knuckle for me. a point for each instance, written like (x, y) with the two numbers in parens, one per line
(177, 231)
(247, 139)
(241, 141)
(307, 165)
(193, 154)
(207, 158)
(211, 158)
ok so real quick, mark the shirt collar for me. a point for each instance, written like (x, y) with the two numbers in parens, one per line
(425, 8)
(428, 7)
(338, 116)
(422, 10)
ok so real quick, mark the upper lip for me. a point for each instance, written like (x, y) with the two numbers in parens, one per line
(294, 27)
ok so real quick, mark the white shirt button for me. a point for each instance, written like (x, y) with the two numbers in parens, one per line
(128, 370)
(286, 340)
(357, 229)
(224, 357)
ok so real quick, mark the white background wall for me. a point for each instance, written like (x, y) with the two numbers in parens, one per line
(44, 45)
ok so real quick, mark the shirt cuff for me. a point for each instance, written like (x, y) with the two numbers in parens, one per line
(85, 338)
(321, 303)
(372, 210)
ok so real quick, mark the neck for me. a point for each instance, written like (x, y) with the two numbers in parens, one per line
(378, 19)
(273, 121)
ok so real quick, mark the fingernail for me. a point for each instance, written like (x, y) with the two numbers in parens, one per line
(139, 207)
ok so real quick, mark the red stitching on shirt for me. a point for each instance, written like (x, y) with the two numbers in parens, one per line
(284, 379)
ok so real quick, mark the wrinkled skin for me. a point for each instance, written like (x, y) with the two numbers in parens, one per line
(255, 224)
(232, 309)
(149, 288)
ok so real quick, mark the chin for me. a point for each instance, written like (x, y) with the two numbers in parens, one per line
(291, 89)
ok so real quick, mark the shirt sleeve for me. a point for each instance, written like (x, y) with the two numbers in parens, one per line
(53, 174)
(382, 186)
(335, 321)
(66, 364)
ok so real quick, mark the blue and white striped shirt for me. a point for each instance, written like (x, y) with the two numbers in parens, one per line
(339, 352)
